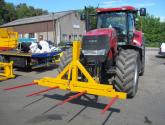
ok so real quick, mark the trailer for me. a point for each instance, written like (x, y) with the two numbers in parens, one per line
(11, 50)
(29, 60)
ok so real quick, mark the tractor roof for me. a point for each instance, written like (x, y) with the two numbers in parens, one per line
(123, 8)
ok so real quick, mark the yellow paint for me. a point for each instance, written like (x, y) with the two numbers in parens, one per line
(58, 60)
(72, 83)
(8, 71)
(8, 39)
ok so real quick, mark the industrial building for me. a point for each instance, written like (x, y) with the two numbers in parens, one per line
(55, 27)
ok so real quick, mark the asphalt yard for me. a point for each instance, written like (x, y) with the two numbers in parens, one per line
(147, 108)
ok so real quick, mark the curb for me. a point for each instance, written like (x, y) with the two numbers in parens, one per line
(152, 49)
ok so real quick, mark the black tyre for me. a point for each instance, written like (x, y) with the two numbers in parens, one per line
(127, 72)
(142, 62)
(65, 59)
(141, 73)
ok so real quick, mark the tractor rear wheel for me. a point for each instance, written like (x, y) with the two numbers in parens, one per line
(127, 72)
(65, 59)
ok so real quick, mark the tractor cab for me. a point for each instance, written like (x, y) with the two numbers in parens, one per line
(122, 19)
(115, 27)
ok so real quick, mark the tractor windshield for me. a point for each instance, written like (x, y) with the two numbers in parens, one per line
(116, 20)
(112, 20)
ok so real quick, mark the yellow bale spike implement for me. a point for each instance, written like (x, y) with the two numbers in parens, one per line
(72, 83)
(7, 72)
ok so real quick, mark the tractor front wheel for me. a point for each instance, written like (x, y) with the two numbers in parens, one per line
(127, 72)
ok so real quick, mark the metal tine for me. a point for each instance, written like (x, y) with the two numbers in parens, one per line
(72, 97)
(109, 105)
(20, 86)
(42, 91)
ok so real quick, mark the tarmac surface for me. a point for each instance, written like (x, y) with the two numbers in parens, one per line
(147, 108)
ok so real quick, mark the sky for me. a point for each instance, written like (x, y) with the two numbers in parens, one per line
(154, 7)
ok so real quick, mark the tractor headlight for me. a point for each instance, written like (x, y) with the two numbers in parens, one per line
(94, 52)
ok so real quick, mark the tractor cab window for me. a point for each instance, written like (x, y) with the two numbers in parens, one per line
(130, 26)
(116, 20)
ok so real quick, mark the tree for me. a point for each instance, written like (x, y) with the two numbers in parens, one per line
(23, 11)
(153, 29)
(10, 12)
(91, 12)
(2, 10)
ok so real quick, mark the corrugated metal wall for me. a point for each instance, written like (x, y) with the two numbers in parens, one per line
(36, 27)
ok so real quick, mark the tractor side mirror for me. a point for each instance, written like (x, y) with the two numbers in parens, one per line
(142, 11)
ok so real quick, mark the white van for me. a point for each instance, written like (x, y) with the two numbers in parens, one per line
(162, 49)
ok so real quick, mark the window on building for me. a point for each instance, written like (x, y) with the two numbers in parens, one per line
(31, 35)
(64, 37)
(75, 37)
(80, 37)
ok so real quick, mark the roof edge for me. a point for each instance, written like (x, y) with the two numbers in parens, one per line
(51, 14)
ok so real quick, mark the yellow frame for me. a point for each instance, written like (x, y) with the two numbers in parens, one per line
(8, 71)
(8, 38)
(71, 82)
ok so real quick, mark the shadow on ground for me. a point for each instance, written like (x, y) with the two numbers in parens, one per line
(84, 101)
(38, 70)
(160, 56)
(87, 101)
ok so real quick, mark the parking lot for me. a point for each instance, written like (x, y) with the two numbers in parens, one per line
(147, 108)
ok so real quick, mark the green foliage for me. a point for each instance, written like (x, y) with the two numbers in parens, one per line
(91, 11)
(27, 11)
(2, 10)
(10, 12)
(92, 18)
(153, 29)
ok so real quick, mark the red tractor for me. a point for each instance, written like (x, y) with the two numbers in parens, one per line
(115, 50)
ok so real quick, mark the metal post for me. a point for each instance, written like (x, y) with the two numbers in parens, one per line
(54, 29)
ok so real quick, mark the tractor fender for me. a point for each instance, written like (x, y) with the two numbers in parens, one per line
(141, 50)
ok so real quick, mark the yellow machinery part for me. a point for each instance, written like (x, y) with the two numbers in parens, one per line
(7, 71)
(8, 39)
(72, 83)
(58, 60)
